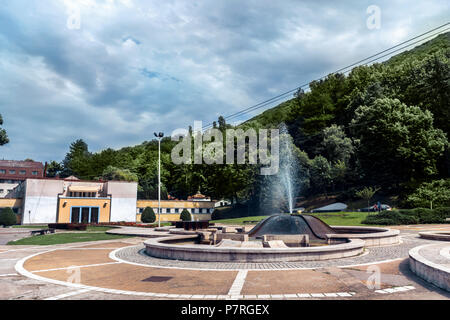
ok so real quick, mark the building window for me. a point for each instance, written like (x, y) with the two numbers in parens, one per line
(22, 172)
(84, 214)
(34, 173)
(12, 171)
(177, 210)
(2, 171)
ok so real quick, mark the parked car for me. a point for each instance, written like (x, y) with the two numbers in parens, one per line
(384, 207)
(299, 210)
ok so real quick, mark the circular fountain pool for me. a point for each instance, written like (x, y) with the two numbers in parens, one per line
(282, 238)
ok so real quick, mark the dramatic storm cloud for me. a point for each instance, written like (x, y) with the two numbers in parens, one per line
(135, 67)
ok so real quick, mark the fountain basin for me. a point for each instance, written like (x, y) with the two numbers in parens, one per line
(372, 236)
(167, 248)
(435, 235)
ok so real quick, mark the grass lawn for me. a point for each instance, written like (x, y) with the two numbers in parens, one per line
(331, 218)
(30, 227)
(88, 229)
(60, 238)
(342, 218)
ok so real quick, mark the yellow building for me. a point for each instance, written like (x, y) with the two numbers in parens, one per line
(75, 201)
(14, 204)
(199, 206)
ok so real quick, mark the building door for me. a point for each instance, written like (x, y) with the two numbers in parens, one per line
(85, 215)
(94, 215)
(75, 215)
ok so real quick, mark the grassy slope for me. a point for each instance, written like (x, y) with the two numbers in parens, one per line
(332, 218)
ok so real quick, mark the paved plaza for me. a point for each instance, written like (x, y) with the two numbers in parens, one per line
(118, 269)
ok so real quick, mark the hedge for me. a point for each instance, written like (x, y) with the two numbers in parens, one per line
(148, 216)
(409, 216)
(235, 211)
(185, 215)
(7, 217)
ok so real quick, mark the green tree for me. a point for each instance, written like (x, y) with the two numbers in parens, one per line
(3, 136)
(432, 194)
(53, 169)
(321, 173)
(335, 146)
(113, 173)
(367, 193)
(185, 215)
(7, 217)
(397, 141)
(148, 216)
(77, 161)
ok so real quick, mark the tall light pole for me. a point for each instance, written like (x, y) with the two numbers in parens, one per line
(159, 136)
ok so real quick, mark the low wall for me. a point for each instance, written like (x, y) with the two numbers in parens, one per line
(371, 235)
(436, 274)
(166, 249)
(434, 235)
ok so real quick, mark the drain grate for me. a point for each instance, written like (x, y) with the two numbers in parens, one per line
(157, 279)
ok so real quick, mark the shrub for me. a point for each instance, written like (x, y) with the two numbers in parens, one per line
(148, 216)
(216, 215)
(409, 216)
(443, 212)
(7, 217)
(378, 221)
(235, 211)
(185, 215)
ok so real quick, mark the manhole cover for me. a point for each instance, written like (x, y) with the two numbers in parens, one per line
(157, 279)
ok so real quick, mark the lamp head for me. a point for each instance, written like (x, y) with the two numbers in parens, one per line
(161, 134)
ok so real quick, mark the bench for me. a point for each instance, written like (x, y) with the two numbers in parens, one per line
(42, 232)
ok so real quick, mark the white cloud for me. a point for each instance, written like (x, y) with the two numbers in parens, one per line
(135, 67)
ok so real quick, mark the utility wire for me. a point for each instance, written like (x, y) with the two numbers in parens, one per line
(390, 53)
(344, 70)
(268, 102)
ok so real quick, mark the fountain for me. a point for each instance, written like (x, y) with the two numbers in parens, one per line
(288, 167)
(280, 237)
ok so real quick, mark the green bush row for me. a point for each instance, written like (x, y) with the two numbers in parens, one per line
(7, 217)
(409, 216)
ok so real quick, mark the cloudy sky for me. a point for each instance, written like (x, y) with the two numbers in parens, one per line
(123, 69)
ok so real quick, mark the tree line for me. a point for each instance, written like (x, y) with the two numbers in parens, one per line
(385, 125)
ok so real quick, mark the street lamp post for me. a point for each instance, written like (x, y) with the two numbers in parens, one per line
(159, 136)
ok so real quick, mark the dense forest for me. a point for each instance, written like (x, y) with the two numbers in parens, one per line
(385, 125)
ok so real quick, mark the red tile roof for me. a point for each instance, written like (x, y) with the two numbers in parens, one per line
(21, 164)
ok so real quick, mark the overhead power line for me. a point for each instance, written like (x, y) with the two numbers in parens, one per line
(429, 34)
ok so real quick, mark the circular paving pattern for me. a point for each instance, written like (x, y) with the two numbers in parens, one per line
(120, 267)
(138, 256)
